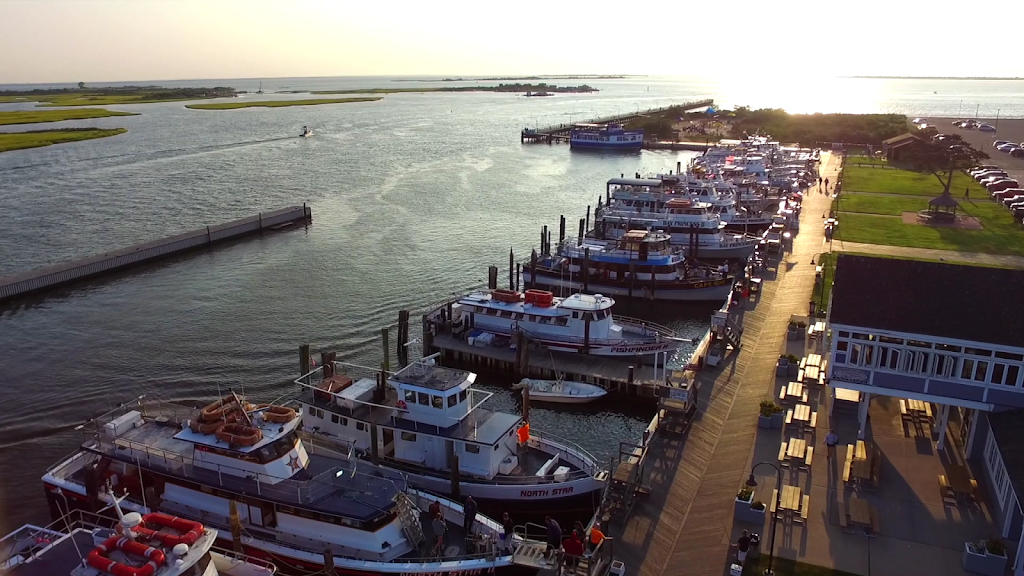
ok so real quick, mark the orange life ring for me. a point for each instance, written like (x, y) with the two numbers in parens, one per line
(220, 408)
(211, 427)
(400, 405)
(98, 557)
(507, 296)
(188, 530)
(240, 434)
(278, 414)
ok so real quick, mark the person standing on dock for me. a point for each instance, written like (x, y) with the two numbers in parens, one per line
(507, 530)
(830, 443)
(554, 539)
(826, 185)
(596, 536)
(469, 510)
(742, 547)
(439, 530)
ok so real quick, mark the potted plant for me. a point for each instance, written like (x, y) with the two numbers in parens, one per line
(781, 369)
(793, 332)
(792, 366)
(776, 416)
(986, 557)
(746, 509)
(764, 416)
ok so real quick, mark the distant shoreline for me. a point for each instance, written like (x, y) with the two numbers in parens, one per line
(518, 78)
(937, 77)
(276, 103)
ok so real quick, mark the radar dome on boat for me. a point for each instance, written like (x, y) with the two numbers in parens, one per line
(131, 520)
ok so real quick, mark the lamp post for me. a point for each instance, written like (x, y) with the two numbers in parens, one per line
(751, 482)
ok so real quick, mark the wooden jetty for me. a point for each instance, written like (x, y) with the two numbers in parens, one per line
(560, 132)
(41, 279)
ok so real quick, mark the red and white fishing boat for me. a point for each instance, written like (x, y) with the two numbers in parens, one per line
(579, 323)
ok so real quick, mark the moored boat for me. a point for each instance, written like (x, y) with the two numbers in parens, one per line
(306, 132)
(579, 323)
(605, 137)
(421, 415)
(562, 391)
(641, 263)
(293, 496)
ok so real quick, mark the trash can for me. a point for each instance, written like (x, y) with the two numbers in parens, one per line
(755, 546)
(812, 305)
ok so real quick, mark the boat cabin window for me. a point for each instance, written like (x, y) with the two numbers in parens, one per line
(423, 398)
(361, 426)
(545, 320)
(316, 412)
(562, 321)
(453, 400)
(471, 448)
(410, 396)
(408, 437)
(463, 395)
(277, 448)
(575, 315)
(437, 401)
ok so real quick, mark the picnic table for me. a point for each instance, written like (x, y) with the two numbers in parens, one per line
(793, 391)
(847, 395)
(803, 415)
(858, 462)
(864, 515)
(919, 408)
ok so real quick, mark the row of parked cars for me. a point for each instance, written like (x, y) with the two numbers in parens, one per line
(1001, 188)
(1011, 148)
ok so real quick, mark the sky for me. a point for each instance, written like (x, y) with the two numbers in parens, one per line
(43, 41)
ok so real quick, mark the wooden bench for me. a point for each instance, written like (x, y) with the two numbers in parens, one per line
(805, 506)
(782, 453)
(808, 456)
(874, 524)
(804, 397)
(782, 394)
(814, 421)
(803, 362)
(789, 416)
(946, 490)
(800, 376)
(775, 499)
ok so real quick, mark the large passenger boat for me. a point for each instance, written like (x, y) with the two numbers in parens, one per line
(292, 500)
(641, 263)
(415, 421)
(606, 137)
(578, 323)
(84, 544)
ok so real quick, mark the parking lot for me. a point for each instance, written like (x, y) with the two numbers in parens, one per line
(1007, 129)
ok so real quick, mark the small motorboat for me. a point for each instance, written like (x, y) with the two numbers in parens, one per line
(561, 391)
(306, 132)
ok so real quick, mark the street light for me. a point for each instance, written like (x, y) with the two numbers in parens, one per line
(751, 482)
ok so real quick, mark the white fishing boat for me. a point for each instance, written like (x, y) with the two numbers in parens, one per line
(293, 493)
(561, 391)
(414, 420)
(85, 544)
(306, 132)
(579, 323)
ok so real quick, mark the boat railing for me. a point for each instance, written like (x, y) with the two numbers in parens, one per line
(585, 460)
(644, 326)
(646, 329)
(30, 540)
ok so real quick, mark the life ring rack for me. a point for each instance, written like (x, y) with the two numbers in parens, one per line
(189, 531)
(98, 557)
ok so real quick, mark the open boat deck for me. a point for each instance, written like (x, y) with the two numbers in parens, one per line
(60, 560)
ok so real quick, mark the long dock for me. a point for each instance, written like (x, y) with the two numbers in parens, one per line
(564, 129)
(41, 279)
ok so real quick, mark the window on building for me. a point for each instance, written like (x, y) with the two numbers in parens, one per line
(945, 365)
(894, 360)
(856, 351)
(408, 437)
(319, 413)
(844, 334)
(471, 448)
(842, 345)
(869, 356)
(453, 400)
(1012, 373)
(463, 395)
(361, 426)
(918, 344)
(998, 371)
(947, 347)
(859, 336)
(1010, 356)
(883, 357)
(890, 340)
(311, 411)
(966, 369)
(977, 351)
(980, 370)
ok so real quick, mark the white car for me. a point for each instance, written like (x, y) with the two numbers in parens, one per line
(919, 121)
(1008, 147)
(986, 127)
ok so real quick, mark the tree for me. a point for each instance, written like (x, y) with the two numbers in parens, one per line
(943, 155)
(81, 85)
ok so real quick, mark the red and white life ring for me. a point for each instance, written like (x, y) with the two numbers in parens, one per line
(400, 405)
(188, 530)
(98, 557)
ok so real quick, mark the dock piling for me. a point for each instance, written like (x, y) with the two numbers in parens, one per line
(492, 277)
(517, 276)
(629, 377)
(511, 268)
(303, 359)
(387, 350)
(403, 339)
(561, 229)
(586, 226)
(533, 269)
(579, 237)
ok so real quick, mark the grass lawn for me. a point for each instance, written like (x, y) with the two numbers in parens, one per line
(823, 290)
(21, 140)
(1000, 236)
(865, 160)
(891, 204)
(277, 103)
(897, 181)
(35, 116)
(786, 567)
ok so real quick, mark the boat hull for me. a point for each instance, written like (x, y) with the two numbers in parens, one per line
(707, 291)
(717, 252)
(561, 398)
(583, 145)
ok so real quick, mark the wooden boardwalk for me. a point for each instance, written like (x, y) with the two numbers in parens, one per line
(684, 525)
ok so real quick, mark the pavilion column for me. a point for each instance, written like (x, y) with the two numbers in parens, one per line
(943, 424)
(969, 448)
(862, 415)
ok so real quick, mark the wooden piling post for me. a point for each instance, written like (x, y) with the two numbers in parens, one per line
(329, 562)
(543, 237)
(517, 276)
(586, 226)
(428, 337)
(492, 277)
(579, 237)
(236, 527)
(629, 377)
(511, 268)
(303, 359)
(403, 339)
(561, 229)
(526, 403)
(544, 247)
(533, 270)
(456, 494)
(586, 269)
(586, 332)
(387, 350)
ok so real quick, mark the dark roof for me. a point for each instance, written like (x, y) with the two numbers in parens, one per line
(899, 139)
(928, 298)
(1008, 429)
(944, 199)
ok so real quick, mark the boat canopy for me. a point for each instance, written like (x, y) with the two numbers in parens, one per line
(635, 182)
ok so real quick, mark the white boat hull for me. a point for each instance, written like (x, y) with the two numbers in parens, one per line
(568, 393)
(701, 294)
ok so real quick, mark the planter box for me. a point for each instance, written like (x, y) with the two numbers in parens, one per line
(777, 420)
(986, 564)
(793, 370)
(744, 513)
(793, 334)
(781, 368)
(764, 421)
(713, 359)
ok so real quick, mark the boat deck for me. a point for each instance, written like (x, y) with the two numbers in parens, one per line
(59, 560)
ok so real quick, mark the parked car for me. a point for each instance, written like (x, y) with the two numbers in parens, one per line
(1002, 185)
(981, 178)
(1018, 213)
(919, 121)
(1013, 207)
(1018, 153)
(1001, 195)
(986, 127)
(1008, 147)
(998, 143)
(982, 168)
(1010, 200)
(993, 179)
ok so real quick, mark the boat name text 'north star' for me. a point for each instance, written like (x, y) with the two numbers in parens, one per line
(552, 492)
(476, 572)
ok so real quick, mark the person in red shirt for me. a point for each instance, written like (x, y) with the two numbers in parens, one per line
(573, 549)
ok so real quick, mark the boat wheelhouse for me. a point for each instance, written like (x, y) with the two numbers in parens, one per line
(415, 420)
(293, 497)
(641, 263)
(605, 136)
(578, 323)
